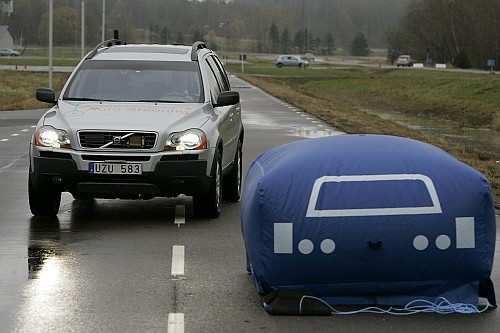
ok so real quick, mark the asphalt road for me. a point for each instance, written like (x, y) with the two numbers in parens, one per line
(144, 266)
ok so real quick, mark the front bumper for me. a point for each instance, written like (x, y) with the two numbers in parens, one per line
(168, 175)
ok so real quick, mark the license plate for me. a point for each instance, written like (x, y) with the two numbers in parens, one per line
(115, 168)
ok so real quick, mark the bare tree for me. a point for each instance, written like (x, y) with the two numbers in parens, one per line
(463, 32)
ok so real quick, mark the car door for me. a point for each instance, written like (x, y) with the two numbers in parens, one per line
(229, 125)
(291, 61)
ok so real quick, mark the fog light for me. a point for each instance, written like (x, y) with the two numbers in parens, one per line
(57, 179)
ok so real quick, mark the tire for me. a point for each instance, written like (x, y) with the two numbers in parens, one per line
(279, 64)
(43, 203)
(232, 181)
(209, 205)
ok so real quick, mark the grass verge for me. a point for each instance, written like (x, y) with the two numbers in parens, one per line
(18, 89)
(339, 99)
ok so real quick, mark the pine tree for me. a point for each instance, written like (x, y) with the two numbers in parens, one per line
(359, 46)
(274, 36)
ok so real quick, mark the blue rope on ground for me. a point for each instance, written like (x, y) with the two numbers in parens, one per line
(441, 306)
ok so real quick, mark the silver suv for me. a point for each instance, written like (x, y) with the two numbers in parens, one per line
(137, 122)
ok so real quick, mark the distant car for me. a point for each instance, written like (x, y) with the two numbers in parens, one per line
(9, 53)
(288, 60)
(405, 61)
(308, 57)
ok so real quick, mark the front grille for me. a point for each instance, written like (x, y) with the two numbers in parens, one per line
(117, 140)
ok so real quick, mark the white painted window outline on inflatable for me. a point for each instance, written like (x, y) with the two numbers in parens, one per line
(313, 212)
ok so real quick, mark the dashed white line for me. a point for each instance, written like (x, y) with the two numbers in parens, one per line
(176, 320)
(175, 323)
(177, 268)
(180, 215)
(17, 134)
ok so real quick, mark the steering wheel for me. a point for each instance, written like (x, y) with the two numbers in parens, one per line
(175, 96)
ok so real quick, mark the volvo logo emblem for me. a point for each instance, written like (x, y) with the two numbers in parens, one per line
(117, 140)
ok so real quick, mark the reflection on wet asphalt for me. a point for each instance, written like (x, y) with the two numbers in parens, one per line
(93, 253)
(105, 265)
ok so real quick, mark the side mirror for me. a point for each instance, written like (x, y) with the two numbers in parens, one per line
(46, 95)
(228, 98)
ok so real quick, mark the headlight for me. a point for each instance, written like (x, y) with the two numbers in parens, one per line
(188, 140)
(48, 136)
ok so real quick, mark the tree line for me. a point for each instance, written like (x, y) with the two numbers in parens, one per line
(280, 26)
(465, 33)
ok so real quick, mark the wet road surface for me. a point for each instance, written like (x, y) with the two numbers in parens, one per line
(150, 266)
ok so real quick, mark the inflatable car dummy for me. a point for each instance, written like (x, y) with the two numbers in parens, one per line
(368, 219)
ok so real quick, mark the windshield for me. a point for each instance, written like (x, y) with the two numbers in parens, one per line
(136, 81)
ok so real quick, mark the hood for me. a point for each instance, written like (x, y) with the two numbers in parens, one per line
(156, 117)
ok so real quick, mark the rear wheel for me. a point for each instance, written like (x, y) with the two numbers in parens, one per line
(232, 181)
(209, 205)
(43, 203)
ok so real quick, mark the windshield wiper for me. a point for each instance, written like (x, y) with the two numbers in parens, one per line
(157, 101)
(80, 99)
(93, 99)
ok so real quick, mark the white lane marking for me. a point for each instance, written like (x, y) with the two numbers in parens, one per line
(180, 215)
(177, 260)
(15, 134)
(25, 130)
(175, 323)
(3, 140)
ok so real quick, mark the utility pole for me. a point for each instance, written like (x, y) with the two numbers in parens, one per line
(51, 20)
(83, 28)
(103, 19)
(305, 42)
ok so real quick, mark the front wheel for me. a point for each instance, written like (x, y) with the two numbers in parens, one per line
(232, 181)
(209, 205)
(43, 203)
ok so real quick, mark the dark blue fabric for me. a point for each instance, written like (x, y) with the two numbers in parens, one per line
(368, 219)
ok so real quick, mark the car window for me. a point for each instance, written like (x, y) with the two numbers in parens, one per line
(136, 81)
(213, 84)
(226, 84)
(217, 71)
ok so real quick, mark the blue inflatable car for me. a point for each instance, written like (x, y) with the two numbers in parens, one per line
(368, 219)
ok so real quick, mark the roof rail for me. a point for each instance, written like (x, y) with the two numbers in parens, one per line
(106, 43)
(197, 46)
